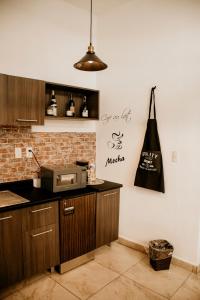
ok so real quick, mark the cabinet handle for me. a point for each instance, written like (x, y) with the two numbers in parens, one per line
(41, 233)
(26, 120)
(41, 209)
(69, 210)
(5, 218)
(106, 195)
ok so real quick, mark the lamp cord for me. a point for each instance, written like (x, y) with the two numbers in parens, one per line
(91, 23)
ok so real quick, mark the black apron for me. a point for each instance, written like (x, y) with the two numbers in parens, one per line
(149, 173)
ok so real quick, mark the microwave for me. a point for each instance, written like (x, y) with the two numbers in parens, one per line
(58, 179)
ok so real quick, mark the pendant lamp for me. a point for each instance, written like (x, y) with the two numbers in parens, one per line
(90, 62)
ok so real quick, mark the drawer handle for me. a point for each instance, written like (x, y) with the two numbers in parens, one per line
(26, 120)
(69, 210)
(41, 209)
(5, 218)
(115, 193)
(41, 233)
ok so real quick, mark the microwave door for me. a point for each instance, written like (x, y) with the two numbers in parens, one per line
(66, 179)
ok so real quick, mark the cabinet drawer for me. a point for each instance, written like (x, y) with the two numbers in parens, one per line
(11, 218)
(41, 215)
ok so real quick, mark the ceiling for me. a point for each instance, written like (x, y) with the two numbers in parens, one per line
(99, 6)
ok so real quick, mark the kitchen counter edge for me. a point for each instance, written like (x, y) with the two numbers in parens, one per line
(38, 196)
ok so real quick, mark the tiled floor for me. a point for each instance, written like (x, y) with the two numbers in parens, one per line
(117, 273)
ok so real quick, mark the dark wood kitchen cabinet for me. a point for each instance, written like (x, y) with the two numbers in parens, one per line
(11, 260)
(22, 100)
(107, 217)
(62, 234)
(77, 226)
(41, 238)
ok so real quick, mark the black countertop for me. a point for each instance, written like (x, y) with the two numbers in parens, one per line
(36, 196)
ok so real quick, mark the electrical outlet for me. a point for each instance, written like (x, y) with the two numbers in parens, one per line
(29, 154)
(18, 153)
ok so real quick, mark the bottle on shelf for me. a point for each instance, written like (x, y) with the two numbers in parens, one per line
(84, 112)
(71, 107)
(52, 108)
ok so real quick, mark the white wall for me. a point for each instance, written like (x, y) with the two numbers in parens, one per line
(146, 43)
(43, 39)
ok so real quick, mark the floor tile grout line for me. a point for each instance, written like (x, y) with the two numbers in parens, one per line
(90, 295)
(133, 266)
(189, 275)
(121, 273)
(103, 287)
(106, 269)
(139, 259)
(63, 286)
(147, 288)
(136, 283)
(157, 292)
(110, 269)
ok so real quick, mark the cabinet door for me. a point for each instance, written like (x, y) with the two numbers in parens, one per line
(107, 221)
(11, 269)
(3, 98)
(41, 249)
(26, 101)
(77, 226)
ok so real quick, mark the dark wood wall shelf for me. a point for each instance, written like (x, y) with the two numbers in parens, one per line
(62, 93)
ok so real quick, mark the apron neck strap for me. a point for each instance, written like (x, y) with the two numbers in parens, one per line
(152, 102)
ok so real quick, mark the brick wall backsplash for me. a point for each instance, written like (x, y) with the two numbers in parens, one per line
(49, 148)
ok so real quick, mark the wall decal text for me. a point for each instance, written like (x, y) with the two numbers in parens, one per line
(114, 160)
(125, 115)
